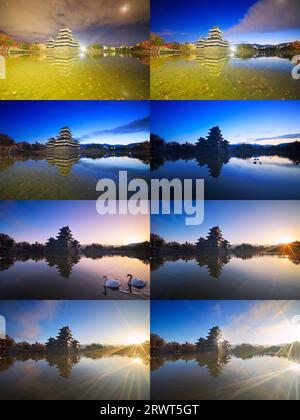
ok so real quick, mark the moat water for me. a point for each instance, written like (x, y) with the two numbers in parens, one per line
(73, 378)
(71, 277)
(264, 177)
(29, 178)
(194, 377)
(259, 277)
(75, 77)
(222, 77)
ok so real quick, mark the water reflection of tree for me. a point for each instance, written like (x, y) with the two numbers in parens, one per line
(6, 263)
(6, 163)
(7, 362)
(64, 263)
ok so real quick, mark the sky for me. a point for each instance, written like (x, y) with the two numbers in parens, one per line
(112, 22)
(256, 222)
(239, 121)
(250, 21)
(254, 322)
(109, 322)
(113, 122)
(33, 221)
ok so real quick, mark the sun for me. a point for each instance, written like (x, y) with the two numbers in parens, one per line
(285, 240)
(137, 361)
(135, 339)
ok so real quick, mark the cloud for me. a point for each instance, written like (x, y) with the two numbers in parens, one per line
(284, 136)
(29, 320)
(269, 16)
(217, 309)
(137, 126)
(170, 32)
(20, 18)
(260, 322)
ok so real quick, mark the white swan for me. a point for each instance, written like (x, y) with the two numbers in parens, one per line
(111, 283)
(136, 282)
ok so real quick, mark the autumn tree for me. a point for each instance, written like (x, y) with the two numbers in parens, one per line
(156, 342)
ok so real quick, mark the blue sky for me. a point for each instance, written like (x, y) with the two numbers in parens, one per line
(109, 322)
(112, 122)
(264, 21)
(240, 121)
(256, 322)
(256, 222)
(33, 221)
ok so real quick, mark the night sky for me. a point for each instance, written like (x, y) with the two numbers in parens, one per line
(256, 222)
(111, 122)
(255, 322)
(112, 22)
(240, 121)
(264, 21)
(90, 321)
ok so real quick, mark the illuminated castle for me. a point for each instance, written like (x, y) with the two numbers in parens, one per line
(214, 39)
(63, 143)
(64, 39)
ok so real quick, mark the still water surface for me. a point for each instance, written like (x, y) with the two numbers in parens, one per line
(222, 77)
(259, 277)
(68, 277)
(75, 77)
(270, 177)
(199, 378)
(73, 378)
(62, 179)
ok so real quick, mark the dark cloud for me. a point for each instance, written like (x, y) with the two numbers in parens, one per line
(21, 18)
(268, 16)
(285, 136)
(137, 126)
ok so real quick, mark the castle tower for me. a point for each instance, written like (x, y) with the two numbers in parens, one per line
(64, 342)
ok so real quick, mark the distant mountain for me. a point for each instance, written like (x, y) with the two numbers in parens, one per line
(284, 45)
(109, 146)
(266, 146)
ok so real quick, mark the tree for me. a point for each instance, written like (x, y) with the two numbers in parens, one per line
(156, 40)
(156, 342)
(6, 241)
(6, 140)
(157, 241)
(156, 141)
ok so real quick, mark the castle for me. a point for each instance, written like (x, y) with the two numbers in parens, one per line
(64, 242)
(214, 343)
(64, 39)
(214, 39)
(63, 144)
(214, 241)
(63, 343)
(214, 142)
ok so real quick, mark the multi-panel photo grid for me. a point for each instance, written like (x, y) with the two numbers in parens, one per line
(149, 200)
